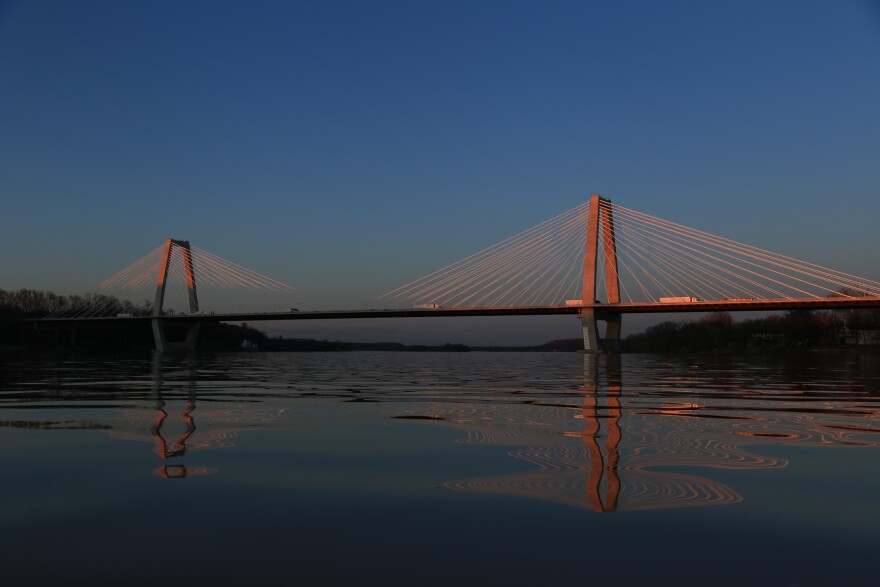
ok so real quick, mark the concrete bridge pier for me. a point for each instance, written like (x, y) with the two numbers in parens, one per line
(593, 344)
(613, 323)
(185, 340)
(591, 331)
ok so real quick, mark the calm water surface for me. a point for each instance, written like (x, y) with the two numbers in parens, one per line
(422, 469)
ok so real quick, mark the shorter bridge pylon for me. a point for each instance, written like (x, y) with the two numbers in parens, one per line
(160, 332)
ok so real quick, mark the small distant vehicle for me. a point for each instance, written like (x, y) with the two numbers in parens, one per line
(427, 306)
(294, 309)
(574, 302)
(739, 299)
(679, 300)
(123, 315)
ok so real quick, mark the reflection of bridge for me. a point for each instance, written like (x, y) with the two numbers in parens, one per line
(644, 448)
(169, 421)
(610, 259)
(618, 463)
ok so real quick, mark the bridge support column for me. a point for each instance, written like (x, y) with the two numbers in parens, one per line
(186, 343)
(593, 344)
(591, 331)
(613, 323)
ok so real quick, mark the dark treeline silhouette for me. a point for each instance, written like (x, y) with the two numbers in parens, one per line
(215, 336)
(560, 345)
(396, 346)
(220, 336)
(33, 303)
(718, 330)
(30, 303)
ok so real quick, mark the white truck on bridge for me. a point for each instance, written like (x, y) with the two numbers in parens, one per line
(679, 300)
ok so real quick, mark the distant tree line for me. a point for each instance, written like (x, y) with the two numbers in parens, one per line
(718, 330)
(216, 336)
(416, 348)
(33, 303)
(559, 345)
(219, 336)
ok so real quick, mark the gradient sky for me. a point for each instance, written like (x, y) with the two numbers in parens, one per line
(348, 147)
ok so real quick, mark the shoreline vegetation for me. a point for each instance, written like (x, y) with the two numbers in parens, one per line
(716, 331)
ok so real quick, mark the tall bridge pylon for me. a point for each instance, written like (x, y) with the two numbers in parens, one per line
(615, 260)
(600, 237)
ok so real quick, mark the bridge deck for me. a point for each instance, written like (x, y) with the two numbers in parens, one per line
(641, 308)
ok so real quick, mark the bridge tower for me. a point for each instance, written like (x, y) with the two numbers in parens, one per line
(600, 232)
(159, 329)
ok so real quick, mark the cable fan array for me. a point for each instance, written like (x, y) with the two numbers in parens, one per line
(658, 258)
(221, 287)
(538, 266)
(543, 266)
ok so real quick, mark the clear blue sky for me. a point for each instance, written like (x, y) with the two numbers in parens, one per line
(348, 147)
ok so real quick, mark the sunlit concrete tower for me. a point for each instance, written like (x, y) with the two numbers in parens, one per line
(192, 333)
(600, 232)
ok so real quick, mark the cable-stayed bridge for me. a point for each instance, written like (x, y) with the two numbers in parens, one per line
(598, 260)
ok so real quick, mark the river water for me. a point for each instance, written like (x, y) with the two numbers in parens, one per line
(440, 468)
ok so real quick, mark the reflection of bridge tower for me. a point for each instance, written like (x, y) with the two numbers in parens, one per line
(167, 450)
(177, 448)
(603, 485)
(159, 331)
(600, 223)
(622, 454)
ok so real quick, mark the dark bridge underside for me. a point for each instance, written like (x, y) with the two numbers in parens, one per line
(646, 308)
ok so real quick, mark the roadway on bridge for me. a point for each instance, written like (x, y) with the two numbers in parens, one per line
(627, 308)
